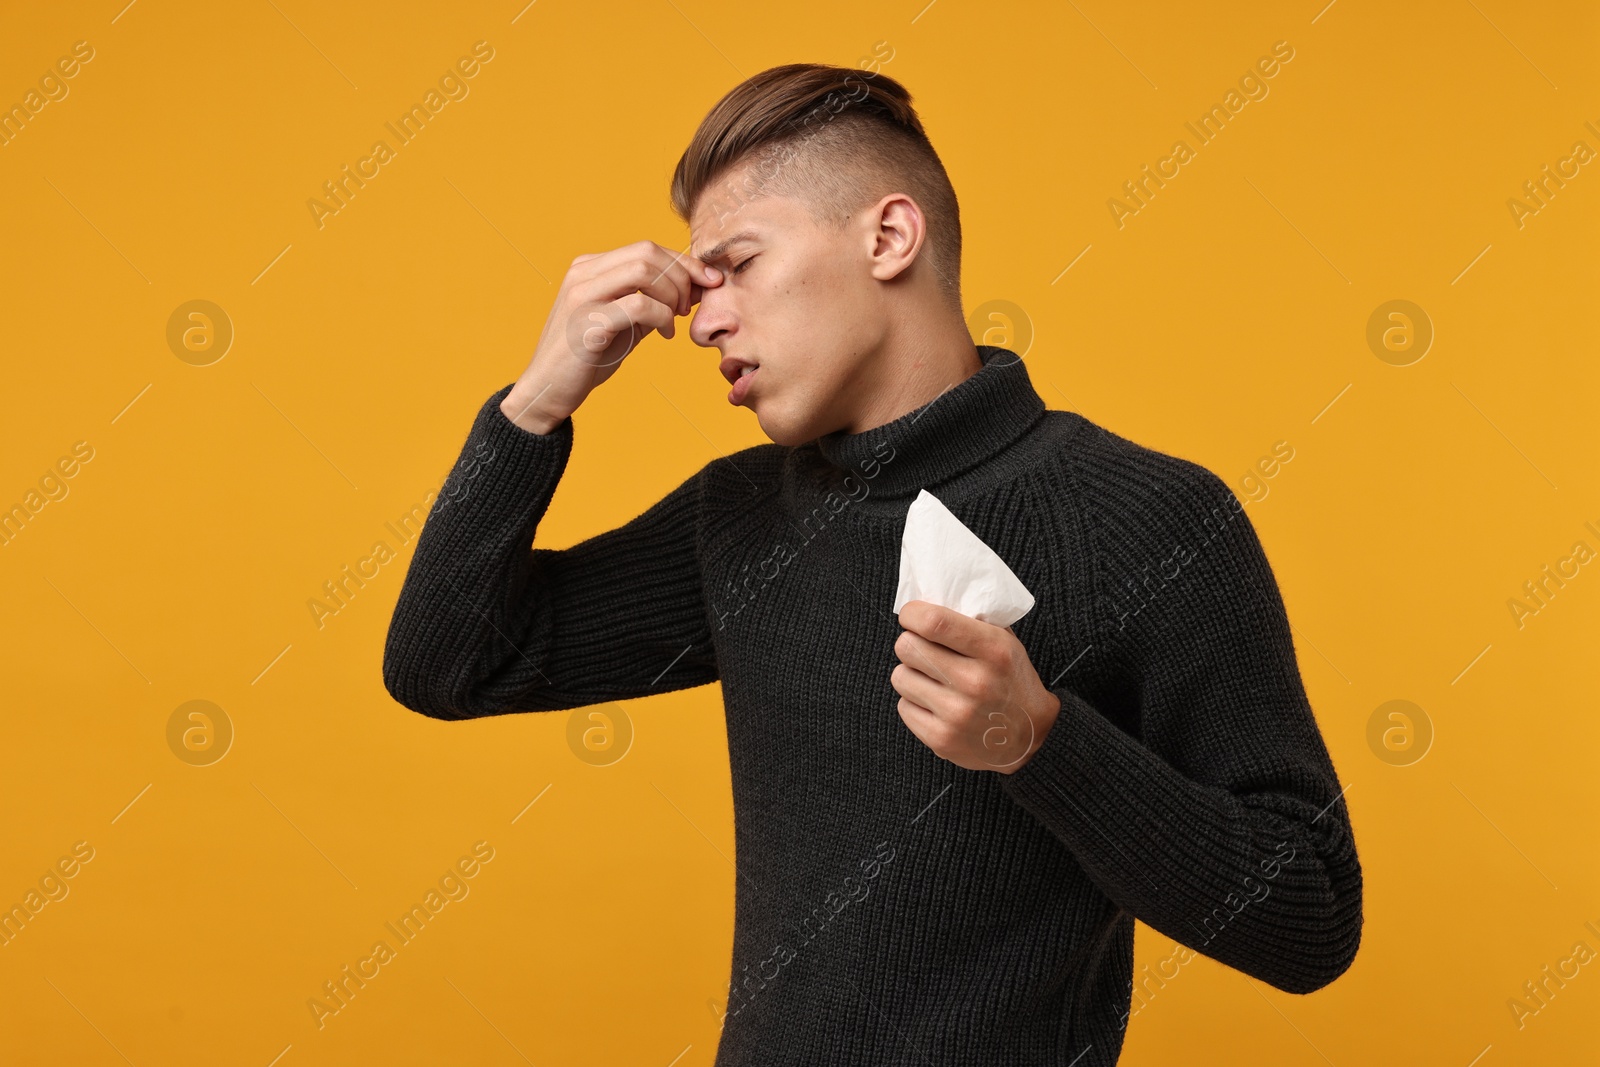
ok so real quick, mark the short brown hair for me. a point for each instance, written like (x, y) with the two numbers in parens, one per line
(853, 137)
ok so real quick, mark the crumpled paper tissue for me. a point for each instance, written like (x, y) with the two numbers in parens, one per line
(944, 563)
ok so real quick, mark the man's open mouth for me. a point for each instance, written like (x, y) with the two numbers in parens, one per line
(740, 375)
(733, 368)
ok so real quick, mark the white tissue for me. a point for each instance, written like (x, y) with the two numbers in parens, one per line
(944, 563)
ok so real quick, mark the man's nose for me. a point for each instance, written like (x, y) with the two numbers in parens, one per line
(713, 320)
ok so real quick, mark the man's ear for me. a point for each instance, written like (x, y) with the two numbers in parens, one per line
(897, 235)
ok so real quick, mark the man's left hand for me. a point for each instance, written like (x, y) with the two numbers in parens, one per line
(968, 689)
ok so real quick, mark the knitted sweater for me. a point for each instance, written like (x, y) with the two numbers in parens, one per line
(892, 907)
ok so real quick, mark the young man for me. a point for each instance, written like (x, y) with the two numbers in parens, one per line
(944, 829)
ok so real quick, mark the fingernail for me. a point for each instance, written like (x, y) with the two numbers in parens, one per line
(713, 273)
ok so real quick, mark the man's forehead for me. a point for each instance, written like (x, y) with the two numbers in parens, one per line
(709, 252)
(728, 215)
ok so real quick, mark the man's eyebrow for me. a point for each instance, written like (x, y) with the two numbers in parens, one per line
(717, 251)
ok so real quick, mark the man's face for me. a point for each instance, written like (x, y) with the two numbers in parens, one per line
(796, 299)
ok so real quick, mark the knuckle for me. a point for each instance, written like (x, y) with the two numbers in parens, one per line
(640, 273)
(990, 680)
(964, 708)
(969, 679)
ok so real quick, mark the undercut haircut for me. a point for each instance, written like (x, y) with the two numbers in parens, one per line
(838, 139)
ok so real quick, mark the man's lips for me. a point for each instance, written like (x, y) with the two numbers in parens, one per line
(733, 369)
(741, 387)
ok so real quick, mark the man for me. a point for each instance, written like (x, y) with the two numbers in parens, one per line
(944, 828)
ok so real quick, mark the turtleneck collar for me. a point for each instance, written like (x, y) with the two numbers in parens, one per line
(954, 432)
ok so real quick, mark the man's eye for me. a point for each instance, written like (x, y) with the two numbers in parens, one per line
(743, 265)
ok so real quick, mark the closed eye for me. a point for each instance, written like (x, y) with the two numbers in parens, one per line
(745, 263)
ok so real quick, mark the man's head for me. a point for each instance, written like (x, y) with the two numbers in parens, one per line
(816, 192)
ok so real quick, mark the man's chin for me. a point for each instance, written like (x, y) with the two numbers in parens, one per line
(780, 430)
(778, 435)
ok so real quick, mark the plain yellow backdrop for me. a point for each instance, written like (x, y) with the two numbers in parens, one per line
(1226, 320)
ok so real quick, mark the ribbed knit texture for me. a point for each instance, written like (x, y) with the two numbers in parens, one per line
(891, 907)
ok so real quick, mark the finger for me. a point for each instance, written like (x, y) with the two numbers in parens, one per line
(600, 262)
(684, 270)
(923, 655)
(699, 276)
(645, 257)
(646, 266)
(921, 690)
(927, 726)
(667, 282)
(704, 276)
(635, 314)
(648, 313)
(948, 627)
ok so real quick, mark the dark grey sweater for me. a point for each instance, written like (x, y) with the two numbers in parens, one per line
(891, 907)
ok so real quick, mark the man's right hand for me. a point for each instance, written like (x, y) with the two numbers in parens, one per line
(607, 304)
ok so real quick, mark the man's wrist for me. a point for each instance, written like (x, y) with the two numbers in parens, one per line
(526, 416)
(1043, 722)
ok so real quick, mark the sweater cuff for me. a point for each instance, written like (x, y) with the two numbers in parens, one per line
(491, 420)
(493, 404)
(502, 461)
(1093, 785)
(1079, 770)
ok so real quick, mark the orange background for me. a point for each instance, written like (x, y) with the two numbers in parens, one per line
(1229, 314)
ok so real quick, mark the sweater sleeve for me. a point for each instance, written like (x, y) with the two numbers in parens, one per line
(486, 624)
(1221, 825)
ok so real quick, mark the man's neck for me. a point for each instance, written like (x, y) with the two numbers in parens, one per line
(914, 366)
